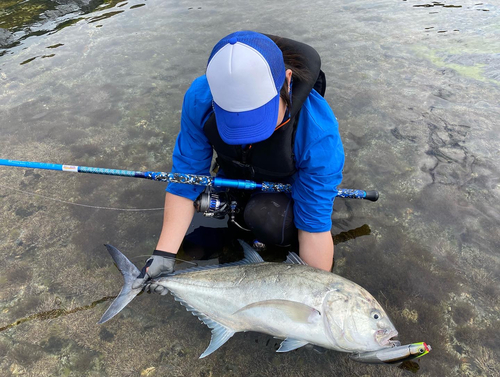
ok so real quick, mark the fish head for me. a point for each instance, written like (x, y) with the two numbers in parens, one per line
(356, 322)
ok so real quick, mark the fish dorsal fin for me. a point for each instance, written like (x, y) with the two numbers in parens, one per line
(291, 344)
(293, 258)
(220, 334)
(251, 256)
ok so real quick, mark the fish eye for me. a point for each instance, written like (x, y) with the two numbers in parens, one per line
(421, 350)
(375, 315)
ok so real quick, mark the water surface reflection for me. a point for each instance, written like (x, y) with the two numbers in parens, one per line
(20, 20)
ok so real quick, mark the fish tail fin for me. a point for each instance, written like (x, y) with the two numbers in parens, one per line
(127, 294)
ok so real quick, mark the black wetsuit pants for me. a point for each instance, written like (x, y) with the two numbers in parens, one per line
(270, 218)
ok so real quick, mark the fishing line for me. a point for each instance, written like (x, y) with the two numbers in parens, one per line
(79, 204)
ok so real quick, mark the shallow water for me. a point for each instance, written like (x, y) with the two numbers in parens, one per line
(415, 86)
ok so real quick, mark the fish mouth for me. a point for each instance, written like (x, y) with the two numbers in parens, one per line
(385, 338)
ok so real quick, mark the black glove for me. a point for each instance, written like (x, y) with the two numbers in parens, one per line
(161, 262)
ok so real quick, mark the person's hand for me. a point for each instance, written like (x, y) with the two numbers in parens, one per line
(161, 262)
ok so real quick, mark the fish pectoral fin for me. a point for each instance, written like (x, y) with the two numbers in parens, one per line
(296, 311)
(291, 344)
(220, 335)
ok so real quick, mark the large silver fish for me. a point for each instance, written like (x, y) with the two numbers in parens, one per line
(291, 301)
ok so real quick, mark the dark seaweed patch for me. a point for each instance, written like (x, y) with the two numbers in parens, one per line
(55, 313)
(54, 344)
(463, 313)
(17, 274)
(56, 45)
(352, 234)
(25, 354)
(106, 335)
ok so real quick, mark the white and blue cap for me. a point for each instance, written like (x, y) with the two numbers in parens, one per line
(245, 73)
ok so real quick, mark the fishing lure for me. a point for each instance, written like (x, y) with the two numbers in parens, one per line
(393, 355)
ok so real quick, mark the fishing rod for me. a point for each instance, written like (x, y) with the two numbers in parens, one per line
(190, 179)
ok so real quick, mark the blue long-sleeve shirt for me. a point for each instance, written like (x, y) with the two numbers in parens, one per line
(319, 155)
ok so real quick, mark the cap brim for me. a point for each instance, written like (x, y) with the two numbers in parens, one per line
(249, 126)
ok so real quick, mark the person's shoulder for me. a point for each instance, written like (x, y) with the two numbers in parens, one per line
(200, 84)
(317, 117)
(199, 91)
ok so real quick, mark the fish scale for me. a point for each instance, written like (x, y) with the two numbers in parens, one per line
(222, 300)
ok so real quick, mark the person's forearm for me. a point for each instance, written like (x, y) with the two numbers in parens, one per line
(316, 249)
(177, 217)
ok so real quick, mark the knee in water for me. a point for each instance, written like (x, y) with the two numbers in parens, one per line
(270, 217)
